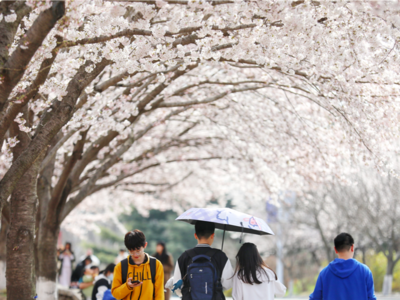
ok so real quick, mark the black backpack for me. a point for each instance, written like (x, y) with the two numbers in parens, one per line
(202, 280)
(124, 271)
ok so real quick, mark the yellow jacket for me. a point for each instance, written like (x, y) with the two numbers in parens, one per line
(142, 273)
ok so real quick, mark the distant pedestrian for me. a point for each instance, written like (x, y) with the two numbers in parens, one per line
(121, 255)
(87, 281)
(344, 278)
(167, 262)
(253, 279)
(79, 271)
(102, 282)
(66, 257)
(94, 258)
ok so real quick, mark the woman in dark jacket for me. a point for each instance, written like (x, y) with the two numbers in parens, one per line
(167, 262)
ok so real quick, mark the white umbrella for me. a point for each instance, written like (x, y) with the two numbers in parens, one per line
(227, 219)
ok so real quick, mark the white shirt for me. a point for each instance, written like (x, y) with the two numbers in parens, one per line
(265, 290)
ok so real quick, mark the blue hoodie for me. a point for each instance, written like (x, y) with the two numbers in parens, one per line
(344, 280)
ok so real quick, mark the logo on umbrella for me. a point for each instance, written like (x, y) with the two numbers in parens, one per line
(253, 223)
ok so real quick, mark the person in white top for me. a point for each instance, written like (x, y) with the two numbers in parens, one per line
(121, 256)
(253, 279)
(67, 258)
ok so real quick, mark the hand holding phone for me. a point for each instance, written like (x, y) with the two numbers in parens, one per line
(133, 283)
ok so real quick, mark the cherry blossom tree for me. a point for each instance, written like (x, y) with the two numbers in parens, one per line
(129, 94)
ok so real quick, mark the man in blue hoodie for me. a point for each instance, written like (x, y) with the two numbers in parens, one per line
(344, 278)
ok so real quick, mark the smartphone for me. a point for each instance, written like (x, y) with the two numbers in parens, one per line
(135, 281)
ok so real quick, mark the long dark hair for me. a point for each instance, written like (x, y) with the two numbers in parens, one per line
(164, 256)
(248, 263)
(70, 248)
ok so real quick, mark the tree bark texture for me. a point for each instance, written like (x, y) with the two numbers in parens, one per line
(20, 238)
(8, 30)
(46, 245)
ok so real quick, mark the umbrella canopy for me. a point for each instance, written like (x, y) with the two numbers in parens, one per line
(227, 219)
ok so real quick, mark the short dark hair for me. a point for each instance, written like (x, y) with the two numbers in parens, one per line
(204, 229)
(135, 240)
(88, 258)
(343, 242)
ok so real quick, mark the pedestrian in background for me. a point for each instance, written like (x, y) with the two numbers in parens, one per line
(94, 258)
(87, 281)
(121, 255)
(66, 257)
(78, 272)
(102, 282)
(167, 262)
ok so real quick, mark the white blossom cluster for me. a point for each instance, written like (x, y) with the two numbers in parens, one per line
(320, 94)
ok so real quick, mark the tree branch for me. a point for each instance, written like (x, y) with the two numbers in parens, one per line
(208, 100)
(49, 157)
(23, 98)
(49, 126)
(62, 181)
(85, 190)
(180, 2)
(15, 66)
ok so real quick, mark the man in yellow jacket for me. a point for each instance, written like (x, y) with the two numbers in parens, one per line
(138, 284)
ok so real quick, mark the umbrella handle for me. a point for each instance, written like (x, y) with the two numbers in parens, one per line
(241, 236)
(223, 238)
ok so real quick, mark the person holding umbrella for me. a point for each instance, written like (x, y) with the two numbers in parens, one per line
(253, 279)
(203, 272)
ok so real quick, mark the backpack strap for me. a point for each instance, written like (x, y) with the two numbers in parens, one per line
(191, 252)
(153, 263)
(124, 270)
(211, 252)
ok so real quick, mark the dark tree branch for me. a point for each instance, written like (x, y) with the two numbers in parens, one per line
(208, 100)
(15, 66)
(23, 98)
(62, 181)
(8, 30)
(49, 126)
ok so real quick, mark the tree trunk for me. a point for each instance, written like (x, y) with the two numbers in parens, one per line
(20, 237)
(3, 253)
(46, 244)
(47, 259)
(388, 279)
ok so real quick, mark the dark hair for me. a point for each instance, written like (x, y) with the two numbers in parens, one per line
(343, 242)
(70, 246)
(134, 240)
(88, 258)
(164, 256)
(249, 263)
(109, 268)
(120, 250)
(204, 229)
